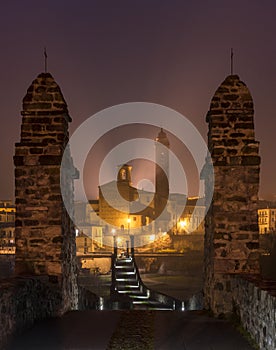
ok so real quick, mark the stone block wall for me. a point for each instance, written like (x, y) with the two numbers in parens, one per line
(88, 300)
(45, 238)
(231, 228)
(254, 302)
(24, 300)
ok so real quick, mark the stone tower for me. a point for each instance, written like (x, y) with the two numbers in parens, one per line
(124, 174)
(231, 229)
(45, 237)
(161, 179)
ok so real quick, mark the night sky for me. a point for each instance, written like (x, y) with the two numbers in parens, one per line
(174, 53)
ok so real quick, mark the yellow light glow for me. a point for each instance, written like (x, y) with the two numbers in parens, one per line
(119, 240)
(129, 220)
(183, 223)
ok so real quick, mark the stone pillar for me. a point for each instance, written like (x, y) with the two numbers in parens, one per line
(127, 248)
(45, 237)
(231, 226)
(162, 217)
(115, 247)
(131, 245)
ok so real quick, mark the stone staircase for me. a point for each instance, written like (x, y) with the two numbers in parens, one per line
(128, 283)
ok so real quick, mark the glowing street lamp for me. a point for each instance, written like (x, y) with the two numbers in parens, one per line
(128, 224)
(130, 236)
(119, 241)
(183, 223)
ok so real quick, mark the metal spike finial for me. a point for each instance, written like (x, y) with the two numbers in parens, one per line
(45, 59)
(231, 65)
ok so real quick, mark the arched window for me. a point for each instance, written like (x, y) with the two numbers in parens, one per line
(123, 174)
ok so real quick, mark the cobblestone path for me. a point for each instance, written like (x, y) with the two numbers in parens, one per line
(135, 331)
(131, 330)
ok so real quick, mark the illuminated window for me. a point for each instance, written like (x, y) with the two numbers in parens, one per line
(123, 174)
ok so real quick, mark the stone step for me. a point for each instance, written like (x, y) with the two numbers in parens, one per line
(123, 279)
(125, 275)
(128, 284)
(125, 272)
(124, 261)
(124, 268)
(142, 295)
(136, 288)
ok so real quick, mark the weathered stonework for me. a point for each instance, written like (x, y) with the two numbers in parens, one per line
(231, 229)
(24, 300)
(45, 239)
(254, 303)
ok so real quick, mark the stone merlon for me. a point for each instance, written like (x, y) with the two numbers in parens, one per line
(44, 96)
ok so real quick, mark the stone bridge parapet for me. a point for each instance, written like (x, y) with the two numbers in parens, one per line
(24, 300)
(254, 303)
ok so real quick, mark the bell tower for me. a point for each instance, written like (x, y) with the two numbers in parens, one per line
(161, 172)
(124, 174)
